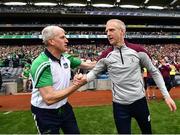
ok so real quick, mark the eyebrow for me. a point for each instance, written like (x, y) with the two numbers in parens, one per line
(63, 36)
(109, 29)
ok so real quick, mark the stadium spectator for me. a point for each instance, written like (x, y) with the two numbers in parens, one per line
(177, 67)
(165, 69)
(173, 73)
(124, 67)
(151, 86)
(25, 77)
(50, 73)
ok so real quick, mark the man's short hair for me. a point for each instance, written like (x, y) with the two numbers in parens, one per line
(48, 33)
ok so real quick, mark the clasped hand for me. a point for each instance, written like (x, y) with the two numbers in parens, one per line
(79, 79)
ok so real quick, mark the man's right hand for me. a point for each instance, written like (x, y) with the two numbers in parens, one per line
(80, 79)
(171, 104)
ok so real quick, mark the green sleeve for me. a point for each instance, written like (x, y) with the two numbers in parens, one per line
(74, 61)
(45, 79)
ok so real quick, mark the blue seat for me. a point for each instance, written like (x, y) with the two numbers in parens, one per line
(177, 80)
(102, 76)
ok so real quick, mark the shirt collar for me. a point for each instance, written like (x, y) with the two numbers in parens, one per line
(47, 53)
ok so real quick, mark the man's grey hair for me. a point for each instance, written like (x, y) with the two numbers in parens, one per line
(120, 23)
(48, 33)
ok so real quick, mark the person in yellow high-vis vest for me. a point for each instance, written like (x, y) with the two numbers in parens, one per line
(172, 74)
(145, 77)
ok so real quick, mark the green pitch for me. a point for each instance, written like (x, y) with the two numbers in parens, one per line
(96, 120)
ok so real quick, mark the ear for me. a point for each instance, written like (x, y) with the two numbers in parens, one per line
(123, 31)
(51, 41)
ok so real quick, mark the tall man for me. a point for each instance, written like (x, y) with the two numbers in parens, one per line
(124, 67)
(50, 73)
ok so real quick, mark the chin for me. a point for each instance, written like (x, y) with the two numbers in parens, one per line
(112, 43)
(66, 49)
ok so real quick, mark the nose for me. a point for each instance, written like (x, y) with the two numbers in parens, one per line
(108, 33)
(66, 40)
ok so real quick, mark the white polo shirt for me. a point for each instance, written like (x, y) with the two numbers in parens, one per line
(46, 70)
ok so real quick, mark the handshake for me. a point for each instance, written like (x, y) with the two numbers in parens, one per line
(79, 79)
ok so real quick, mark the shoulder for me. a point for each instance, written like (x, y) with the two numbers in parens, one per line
(41, 58)
(41, 61)
(105, 53)
(137, 48)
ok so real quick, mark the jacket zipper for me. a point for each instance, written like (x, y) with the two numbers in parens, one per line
(121, 56)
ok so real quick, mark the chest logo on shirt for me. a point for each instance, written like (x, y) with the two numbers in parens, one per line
(65, 65)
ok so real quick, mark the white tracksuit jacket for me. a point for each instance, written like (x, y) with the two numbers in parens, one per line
(124, 68)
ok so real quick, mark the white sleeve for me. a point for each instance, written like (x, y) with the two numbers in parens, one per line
(100, 66)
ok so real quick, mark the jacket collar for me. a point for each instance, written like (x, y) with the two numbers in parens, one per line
(120, 47)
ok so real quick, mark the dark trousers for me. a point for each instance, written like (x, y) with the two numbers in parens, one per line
(123, 114)
(168, 83)
(173, 80)
(49, 121)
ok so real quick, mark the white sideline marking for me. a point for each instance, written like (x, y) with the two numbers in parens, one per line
(7, 112)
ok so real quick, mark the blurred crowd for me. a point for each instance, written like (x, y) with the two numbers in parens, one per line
(170, 52)
(89, 33)
(15, 56)
(18, 56)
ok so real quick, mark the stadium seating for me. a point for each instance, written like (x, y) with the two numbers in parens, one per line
(9, 73)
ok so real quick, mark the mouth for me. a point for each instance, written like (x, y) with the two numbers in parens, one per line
(110, 39)
(66, 47)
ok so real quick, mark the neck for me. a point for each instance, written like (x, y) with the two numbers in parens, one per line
(54, 52)
(119, 44)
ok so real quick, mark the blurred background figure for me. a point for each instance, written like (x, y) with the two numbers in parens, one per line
(173, 73)
(25, 77)
(165, 69)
